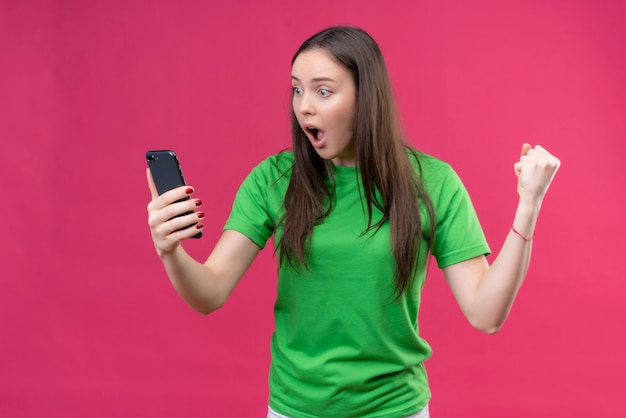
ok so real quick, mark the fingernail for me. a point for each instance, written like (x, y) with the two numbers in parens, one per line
(189, 190)
(198, 202)
(199, 226)
(200, 214)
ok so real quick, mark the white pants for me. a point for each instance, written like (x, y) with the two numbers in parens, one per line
(421, 414)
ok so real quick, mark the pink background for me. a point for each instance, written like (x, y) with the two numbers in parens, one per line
(89, 324)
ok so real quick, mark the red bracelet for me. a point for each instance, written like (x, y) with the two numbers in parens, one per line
(523, 237)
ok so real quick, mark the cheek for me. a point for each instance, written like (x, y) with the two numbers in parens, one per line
(348, 116)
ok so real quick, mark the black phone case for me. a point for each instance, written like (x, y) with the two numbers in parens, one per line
(167, 174)
(165, 169)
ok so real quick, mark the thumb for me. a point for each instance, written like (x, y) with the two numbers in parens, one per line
(151, 185)
(525, 148)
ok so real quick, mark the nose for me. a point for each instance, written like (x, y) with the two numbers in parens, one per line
(304, 105)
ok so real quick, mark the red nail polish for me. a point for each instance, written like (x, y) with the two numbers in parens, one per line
(200, 215)
(198, 202)
(199, 226)
(189, 190)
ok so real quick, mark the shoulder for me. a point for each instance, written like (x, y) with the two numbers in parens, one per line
(275, 166)
(430, 169)
(440, 180)
(280, 163)
(271, 173)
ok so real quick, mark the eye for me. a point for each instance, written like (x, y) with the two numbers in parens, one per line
(324, 92)
(296, 91)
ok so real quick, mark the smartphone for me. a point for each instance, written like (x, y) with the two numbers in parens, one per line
(167, 174)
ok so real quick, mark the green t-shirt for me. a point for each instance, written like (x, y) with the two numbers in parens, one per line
(342, 346)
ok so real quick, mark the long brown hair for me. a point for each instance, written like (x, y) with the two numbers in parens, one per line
(380, 154)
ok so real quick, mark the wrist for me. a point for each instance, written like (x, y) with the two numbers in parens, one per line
(522, 236)
(526, 217)
(528, 206)
(165, 254)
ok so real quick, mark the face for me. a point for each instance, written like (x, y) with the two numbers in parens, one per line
(324, 102)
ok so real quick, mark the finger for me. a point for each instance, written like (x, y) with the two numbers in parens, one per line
(540, 154)
(151, 184)
(544, 152)
(179, 208)
(525, 148)
(173, 203)
(185, 233)
(172, 217)
(183, 223)
(531, 157)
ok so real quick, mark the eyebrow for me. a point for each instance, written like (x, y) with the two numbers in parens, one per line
(316, 79)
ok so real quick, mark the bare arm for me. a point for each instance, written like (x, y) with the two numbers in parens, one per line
(205, 287)
(486, 293)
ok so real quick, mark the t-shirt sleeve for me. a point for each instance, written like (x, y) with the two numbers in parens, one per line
(458, 234)
(250, 214)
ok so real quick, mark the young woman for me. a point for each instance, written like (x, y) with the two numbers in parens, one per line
(355, 214)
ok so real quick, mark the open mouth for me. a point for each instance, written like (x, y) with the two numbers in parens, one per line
(314, 132)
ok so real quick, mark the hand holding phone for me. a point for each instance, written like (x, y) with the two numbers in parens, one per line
(167, 175)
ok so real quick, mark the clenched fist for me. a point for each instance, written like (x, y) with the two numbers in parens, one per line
(535, 170)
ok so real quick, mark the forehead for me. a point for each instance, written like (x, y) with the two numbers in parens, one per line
(317, 63)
